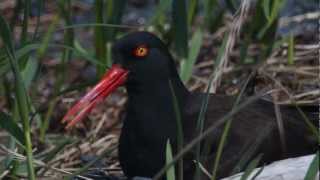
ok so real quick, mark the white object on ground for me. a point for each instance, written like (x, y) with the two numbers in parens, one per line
(288, 169)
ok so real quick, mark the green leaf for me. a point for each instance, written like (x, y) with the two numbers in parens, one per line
(8, 124)
(193, 4)
(290, 50)
(20, 92)
(4, 63)
(266, 8)
(79, 48)
(276, 6)
(221, 50)
(180, 139)
(250, 168)
(100, 37)
(187, 65)
(219, 150)
(313, 168)
(79, 52)
(117, 8)
(47, 37)
(180, 27)
(170, 172)
(86, 25)
(6, 36)
(213, 15)
(30, 71)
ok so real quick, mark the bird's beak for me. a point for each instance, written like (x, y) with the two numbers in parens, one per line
(115, 77)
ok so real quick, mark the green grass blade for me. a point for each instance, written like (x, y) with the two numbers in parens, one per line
(200, 127)
(257, 173)
(291, 50)
(39, 10)
(24, 37)
(85, 25)
(11, 127)
(4, 63)
(99, 38)
(272, 15)
(180, 27)
(221, 51)
(308, 122)
(192, 9)
(249, 150)
(21, 95)
(6, 37)
(118, 7)
(313, 168)
(66, 56)
(180, 139)
(159, 15)
(170, 172)
(220, 148)
(276, 7)
(266, 8)
(34, 47)
(78, 52)
(186, 67)
(203, 110)
(251, 167)
(25, 22)
(213, 15)
(30, 71)
(47, 37)
(108, 54)
(207, 132)
(227, 128)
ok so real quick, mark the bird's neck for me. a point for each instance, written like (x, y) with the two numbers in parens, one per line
(151, 108)
(158, 91)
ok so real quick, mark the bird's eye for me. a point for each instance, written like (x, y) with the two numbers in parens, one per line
(140, 51)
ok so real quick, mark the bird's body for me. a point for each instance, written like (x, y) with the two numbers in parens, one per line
(149, 124)
(144, 63)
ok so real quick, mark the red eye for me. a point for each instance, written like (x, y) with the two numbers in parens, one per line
(141, 51)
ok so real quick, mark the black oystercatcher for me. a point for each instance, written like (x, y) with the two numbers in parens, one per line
(143, 64)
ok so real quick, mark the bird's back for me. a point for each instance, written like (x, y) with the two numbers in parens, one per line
(254, 130)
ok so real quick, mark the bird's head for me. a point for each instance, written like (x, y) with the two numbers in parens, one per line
(139, 58)
(144, 56)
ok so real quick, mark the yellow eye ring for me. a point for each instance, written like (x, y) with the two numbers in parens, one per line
(141, 51)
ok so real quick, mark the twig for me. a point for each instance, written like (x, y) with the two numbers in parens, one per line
(203, 169)
(234, 33)
(295, 70)
(4, 174)
(38, 162)
(299, 18)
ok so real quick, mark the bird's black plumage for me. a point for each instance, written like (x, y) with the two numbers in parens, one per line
(151, 119)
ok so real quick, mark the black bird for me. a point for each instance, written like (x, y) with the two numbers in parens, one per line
(143, 64)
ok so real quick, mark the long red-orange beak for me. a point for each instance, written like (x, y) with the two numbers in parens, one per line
(115, 77)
